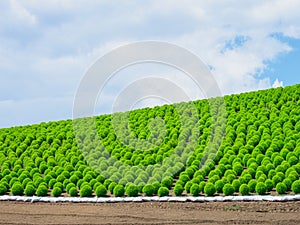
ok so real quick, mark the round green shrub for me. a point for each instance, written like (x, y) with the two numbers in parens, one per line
(260, 188)
(244, 189)
(228, 189)
(163, 191)
(251, 185)
(214, 179)
(3, 189)
(52, 182)
(156, 186)
(17, 189)
(66, 182)
(281, 188)
(29, 190)
(201, 186)
(288, 183)
(13, 180)
(56, 191)
(293, 160)
(73, 192)
(25, 182)
(195, 189)
(148, 190)
(238, 168)
(236, 185)
(296, 187)
(74, 179)
(101, 191)
(42, 190)
(269, 184)
(178, 189)
(69, 185)
(219, 186)
(59, 185)
(119, 190)
(188, 186)
(209, 189)
(86, 191)
(167, 182)
(107, 183)
(111, 187)
(132, 190)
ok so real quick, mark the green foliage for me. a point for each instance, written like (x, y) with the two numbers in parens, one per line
(252, 185)
(73, 192)
(244, 189)
(86, 190)
(119, 190)
(209, 189)
(281, 188)
(3, 189)
(228, 189)
(219, 186)
(42, 190)
(269, 184)
(56, 192)
(163, 191)
(178, 189)
(148, 190)
(260, 188)
(195, 189)
(296, 187)
(132, 190)
(261, 148)
(17, 189)
(30, 190)
(188, 186)
(101, 191)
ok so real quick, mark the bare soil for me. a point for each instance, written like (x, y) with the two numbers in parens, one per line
(12, 212)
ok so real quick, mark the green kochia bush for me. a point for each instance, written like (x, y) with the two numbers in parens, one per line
(244, 189)
(42, 190)
(163, 191)
(132, 190)
(148, 190)
(17, 189)
(296, 187)
(86, 191)
(3, 189)
(178, 189)
(101, 191)
(219, 186)
(119, 190)
(195, 189)
(228, 189)
(260, 188)
(281, 188)
(209, 189)
(73, 192)
(56, 191)
(29, 190)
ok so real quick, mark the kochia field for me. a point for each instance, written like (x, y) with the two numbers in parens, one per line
(241, 144)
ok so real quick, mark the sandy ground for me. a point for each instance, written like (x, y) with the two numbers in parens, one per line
(150, 213)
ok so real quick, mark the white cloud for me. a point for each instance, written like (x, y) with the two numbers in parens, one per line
(277, 83)
(21, 14)
(45, 47)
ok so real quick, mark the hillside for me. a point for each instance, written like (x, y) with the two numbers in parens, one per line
(241, 145)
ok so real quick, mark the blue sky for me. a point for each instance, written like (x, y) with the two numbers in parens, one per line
(47, 46)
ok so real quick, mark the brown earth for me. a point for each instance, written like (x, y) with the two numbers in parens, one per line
(150, 213)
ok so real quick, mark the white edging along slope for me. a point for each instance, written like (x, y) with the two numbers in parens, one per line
(281, 198)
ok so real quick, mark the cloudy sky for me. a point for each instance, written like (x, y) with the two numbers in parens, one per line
(47, 46)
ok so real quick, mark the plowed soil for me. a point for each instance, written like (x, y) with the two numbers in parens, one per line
(150, 213)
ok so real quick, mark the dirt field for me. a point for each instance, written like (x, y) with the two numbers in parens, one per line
(150, 213)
